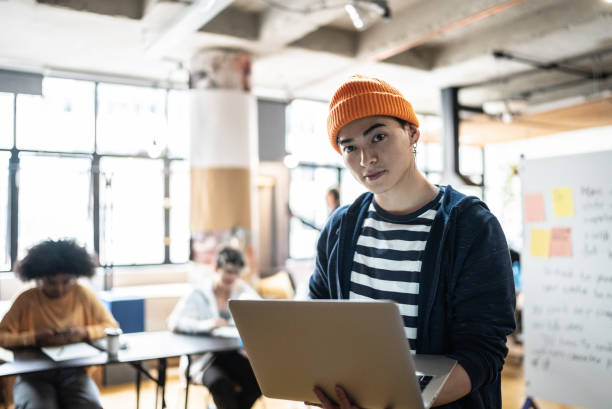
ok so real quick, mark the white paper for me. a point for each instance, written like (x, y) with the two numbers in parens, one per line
(226, 332)
(71, 351)
(6, 355)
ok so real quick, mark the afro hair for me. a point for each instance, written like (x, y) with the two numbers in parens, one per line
(50, 258)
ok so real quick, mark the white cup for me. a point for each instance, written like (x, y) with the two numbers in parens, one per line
(112, 341)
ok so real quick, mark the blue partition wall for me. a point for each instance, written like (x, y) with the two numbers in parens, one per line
(128, 311)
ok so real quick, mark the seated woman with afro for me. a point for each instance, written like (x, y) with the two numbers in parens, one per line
(57, 311)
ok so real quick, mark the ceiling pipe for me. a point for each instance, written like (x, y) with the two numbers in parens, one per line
(451, 172)
(555, 65)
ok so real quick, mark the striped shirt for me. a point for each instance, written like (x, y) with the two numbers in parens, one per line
(388, 257)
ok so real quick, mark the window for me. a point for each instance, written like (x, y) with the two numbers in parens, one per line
(307, 194)
(4, 198)
(131, 120)
(131, 211)
(350, 188)
(58, 148)
(179, 212)
(307, 133)
(54, 200)
(61, 120)
(178, 123)
(471, 161)
(6, 120)
(429, 157)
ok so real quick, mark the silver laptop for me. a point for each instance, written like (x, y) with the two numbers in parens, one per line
(360, 345)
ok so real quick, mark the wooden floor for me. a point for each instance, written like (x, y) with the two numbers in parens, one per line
(124, 396)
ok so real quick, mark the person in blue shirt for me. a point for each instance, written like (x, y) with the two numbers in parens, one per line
(440, 255)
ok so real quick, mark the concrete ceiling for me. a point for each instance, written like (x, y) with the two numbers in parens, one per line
(426, 45)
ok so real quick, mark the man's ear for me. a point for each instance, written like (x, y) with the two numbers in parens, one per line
(414, 133)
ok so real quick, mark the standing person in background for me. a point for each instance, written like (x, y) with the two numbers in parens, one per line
(333, 200)
(57, 311)
(227, 375)
(440, 255)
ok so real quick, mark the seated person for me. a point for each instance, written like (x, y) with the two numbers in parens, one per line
(57, 311)
(227, 375)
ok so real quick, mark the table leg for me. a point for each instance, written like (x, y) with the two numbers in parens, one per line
(156, 389)
(161, 376)
(137, 387)
(187, 380)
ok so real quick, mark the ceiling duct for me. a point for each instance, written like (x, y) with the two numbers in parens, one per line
(451, 173)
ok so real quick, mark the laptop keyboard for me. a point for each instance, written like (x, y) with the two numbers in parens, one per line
(423, 381)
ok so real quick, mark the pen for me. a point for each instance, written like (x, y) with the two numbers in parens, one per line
(60, 350)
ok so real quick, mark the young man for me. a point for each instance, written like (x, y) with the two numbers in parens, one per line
(227, 375)
(332, 200)
(441, 256)
(57, 311)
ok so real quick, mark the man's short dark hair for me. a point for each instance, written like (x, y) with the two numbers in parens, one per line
(402, 122)
(51, 257)
(335, 193)
(231, 256)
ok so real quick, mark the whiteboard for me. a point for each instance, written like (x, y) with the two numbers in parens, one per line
(567, 276)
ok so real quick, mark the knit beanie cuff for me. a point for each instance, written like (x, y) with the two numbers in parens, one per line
(361, 97)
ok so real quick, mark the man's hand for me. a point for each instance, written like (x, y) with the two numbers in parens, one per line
(457, 386)
(55, 337)
(326, 403)
(76, 334)
(220, 322)
(45, 337)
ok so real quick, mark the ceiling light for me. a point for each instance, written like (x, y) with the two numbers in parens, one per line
(354, 15)
(365, 12)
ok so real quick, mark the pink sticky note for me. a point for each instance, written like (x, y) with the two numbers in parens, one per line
(534, 207)
(561, 242)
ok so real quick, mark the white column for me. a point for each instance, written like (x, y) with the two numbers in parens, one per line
(223, 116)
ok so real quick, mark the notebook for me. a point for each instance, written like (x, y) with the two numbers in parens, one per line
(360, 345)
(70, 351)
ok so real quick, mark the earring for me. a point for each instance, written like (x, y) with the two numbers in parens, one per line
(414, 149)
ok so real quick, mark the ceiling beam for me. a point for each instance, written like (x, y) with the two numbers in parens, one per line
(424, 22)
(329, 40)
(527, 30)
(234, 22)
(419, 57)
(187, 22)
(414, 26)
(282, 26)
(126, 8)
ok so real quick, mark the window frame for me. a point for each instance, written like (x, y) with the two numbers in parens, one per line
(94, 156)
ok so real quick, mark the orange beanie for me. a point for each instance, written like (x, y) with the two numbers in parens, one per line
(364, 96)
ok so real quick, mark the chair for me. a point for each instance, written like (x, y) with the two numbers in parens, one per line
(278, 286)
(186, 379)
(209, 404)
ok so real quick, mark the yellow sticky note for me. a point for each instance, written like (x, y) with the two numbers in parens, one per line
(563, 201)
(540, 243)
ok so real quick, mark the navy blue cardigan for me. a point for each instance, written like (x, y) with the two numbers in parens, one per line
(466, 293)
